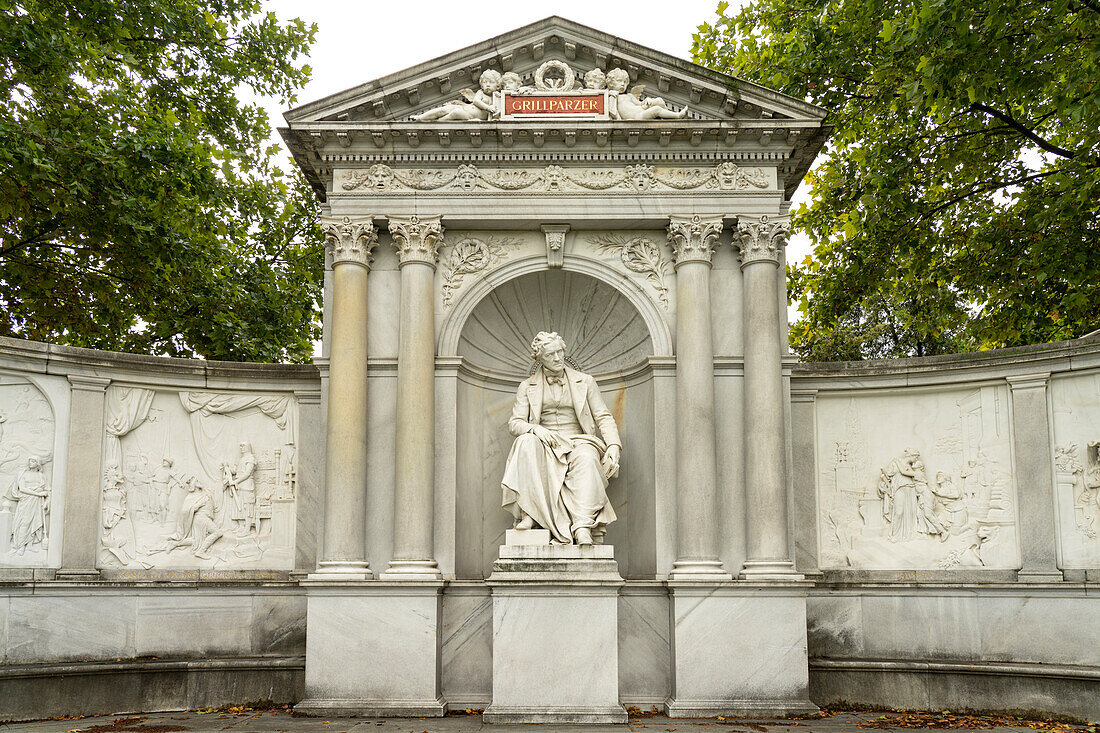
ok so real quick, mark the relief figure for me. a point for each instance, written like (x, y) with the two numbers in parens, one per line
(30, 521)
(477, 105)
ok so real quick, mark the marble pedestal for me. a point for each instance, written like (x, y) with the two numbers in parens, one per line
(372, 649)
(555, 635)
(738, 649)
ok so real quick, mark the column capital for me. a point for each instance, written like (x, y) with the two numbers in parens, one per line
(762, 240)
(693, 238)
(350, 240)
(417, 238)
(1038, 380)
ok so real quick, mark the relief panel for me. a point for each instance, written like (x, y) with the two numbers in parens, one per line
(1076, 403)
(918, 480)
(30, 498)
(198, 480)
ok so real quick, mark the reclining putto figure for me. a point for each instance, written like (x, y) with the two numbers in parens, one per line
(557, 472)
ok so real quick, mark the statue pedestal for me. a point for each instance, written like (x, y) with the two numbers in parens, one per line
(555, 638)
(739, 649)
(372, 649)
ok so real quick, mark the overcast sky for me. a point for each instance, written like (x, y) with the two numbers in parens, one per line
(357, 42)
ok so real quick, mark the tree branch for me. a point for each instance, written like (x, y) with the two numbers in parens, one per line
(1026, 132)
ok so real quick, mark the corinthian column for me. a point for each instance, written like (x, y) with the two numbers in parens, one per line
(765, 469)
(343, 554)
(693, 240)
(417, 241)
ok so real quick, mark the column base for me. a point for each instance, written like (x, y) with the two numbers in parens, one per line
(738, 708)
(699, 570)
(770, 570)
(563, 716)
(1040, 576)
(77, 574)
(318, 708)
(373, 649)
(738, 650)
(341, 570)
(412, 570)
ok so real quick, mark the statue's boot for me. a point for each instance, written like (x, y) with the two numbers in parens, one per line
(583, 536)
(526, 523)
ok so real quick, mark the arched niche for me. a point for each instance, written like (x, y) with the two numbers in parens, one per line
(607, 336)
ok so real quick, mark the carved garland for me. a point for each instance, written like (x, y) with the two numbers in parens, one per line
(469, 256)
(724, 177)
(639, 255)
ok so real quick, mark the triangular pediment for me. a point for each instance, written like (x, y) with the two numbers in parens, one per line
(707, 94)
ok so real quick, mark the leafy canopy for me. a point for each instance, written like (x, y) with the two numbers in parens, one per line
(140, 205)
(957, 206)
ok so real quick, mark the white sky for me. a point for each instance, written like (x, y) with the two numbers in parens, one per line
(357, 42)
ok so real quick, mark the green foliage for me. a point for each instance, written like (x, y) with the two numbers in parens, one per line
(957, 207)
(140, 205)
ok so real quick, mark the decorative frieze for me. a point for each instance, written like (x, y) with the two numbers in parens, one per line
(693, 238)
(417, 239)
(726, 176)
(762, 240)
(350, 240)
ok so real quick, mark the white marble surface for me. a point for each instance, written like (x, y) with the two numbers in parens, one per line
(35, 414)
(735, 652)
(1076, 410)
(69, 628)
(962, 437)
(168, 626)
(556, 654)
(397, 631)
(644, 673)
(467, 646)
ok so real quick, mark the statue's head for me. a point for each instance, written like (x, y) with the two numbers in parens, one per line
(548, 349)
(595, 79)
(167, 463)
(490, 81)
(511, 81)
(618, 80)
(32, 463)
(245, 447)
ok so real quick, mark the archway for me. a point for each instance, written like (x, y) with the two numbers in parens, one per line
(607, 337)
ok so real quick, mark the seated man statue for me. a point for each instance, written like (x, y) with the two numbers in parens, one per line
(557, 471)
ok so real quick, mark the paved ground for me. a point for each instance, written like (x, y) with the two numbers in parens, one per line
(280, 721)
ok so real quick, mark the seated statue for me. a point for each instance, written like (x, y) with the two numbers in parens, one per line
(557, 471)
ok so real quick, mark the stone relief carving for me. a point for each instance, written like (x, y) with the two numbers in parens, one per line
(26, 473)
(553, 77)
(474, 105)
(942, 499)
(557, 471)
(417, 238)
(1076, 411)
(726, 176)
(469, 256)
(1084, 483)
(350, 240)
(762, 240)
(693, 238)
(639, 255)
(198, 479)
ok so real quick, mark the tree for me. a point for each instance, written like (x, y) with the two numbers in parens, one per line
(957, 205)
(141, 208)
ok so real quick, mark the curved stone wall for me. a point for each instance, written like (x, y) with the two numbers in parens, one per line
(974, 586)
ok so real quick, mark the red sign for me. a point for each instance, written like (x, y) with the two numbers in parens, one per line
(559, 104)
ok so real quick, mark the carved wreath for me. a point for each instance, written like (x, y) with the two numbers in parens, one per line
(639, 255)
(469, 256)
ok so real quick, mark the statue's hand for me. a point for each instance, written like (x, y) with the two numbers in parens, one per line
(611, 460)
(544, 435)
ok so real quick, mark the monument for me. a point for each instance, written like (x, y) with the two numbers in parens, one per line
(555, 460)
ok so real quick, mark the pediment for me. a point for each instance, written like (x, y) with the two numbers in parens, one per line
(708, 95)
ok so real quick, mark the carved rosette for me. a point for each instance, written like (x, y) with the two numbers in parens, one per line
(350, 240)
(417, 238)
(693, 238)
(763, 240)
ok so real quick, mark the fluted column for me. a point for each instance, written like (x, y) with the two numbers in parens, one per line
(344, 550)
(765, 467)
(417, 241)
(693, 240)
